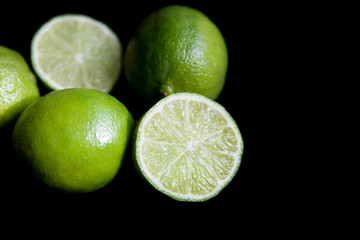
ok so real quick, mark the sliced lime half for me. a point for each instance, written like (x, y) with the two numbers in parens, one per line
(188, 147)
(76, 51)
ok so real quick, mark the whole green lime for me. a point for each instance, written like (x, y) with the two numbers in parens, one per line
(74, 140)
(176, 49)
(18, 87)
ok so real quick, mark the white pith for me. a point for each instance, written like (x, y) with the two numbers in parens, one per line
(189, 146)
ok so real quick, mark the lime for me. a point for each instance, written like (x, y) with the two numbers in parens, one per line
(76, 51)
(18, 87)
(188, 147)
(176, 49)
(74, 140)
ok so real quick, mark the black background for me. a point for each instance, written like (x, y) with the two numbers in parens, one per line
(275, 74)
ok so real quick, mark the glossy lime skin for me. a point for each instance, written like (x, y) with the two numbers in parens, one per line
(18, 87)
(74, 140)
(176, 49)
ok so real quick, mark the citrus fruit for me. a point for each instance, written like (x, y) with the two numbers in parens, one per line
(18, 86)
(188, 147)
(76, 51)
(176, 49)
(74, 140)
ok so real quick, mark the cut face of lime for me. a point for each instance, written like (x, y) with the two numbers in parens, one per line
(76, 51)
(188, 147)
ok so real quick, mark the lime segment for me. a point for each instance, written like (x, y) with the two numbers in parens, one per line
(188, 147)
(76, 51)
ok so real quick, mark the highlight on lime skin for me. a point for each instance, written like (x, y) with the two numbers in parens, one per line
(74, 139)
(18, 88)
(176, 49)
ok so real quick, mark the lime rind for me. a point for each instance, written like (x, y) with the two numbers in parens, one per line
(18, 86)
(176, 49)
(74, 140)
(104, 84)
(155, 182)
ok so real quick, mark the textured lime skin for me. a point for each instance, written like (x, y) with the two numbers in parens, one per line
(176, 49)
(75, 139)
(18, 87)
